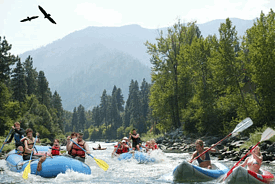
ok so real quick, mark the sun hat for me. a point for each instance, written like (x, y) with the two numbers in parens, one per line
(125, 137)
(123, 141)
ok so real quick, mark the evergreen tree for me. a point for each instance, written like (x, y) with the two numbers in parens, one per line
(144, 95)
(31, 76)
(19, 83)
(119, 100)
(6, 60)
(44, 94)
(57, 104)
(96, 118)
(75, 121)
(81, 118)
(104, 107)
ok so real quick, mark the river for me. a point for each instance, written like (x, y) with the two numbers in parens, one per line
(119, 171)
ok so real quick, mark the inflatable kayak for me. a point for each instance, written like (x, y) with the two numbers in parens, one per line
(99, 148)
(241, 175)
(51, 167)
(189, 172)
(139, 156)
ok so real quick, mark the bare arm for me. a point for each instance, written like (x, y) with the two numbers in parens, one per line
(87, 148)
(212, 150)
(68, 143)
(70, 146)
(245, 162)
(258, 158)
(193, 156)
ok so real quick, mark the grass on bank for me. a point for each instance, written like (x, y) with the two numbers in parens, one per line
(255, 137)
(149, 136)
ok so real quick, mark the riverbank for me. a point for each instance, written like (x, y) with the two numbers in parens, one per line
(230, 149)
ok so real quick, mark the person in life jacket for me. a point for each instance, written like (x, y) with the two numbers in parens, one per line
(155, 145)
(18, 134)
(136, 139)
(74, 137)
(56, 148)
(76, 151)
(29, 142)
(120, 148)
(127, 142)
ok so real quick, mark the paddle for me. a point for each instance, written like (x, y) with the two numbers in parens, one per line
(244, 124)
(27, 169)
(103, 165)
(267, 134)
(5, 140)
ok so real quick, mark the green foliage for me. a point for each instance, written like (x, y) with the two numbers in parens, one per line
(46, 141)
(255, 137)
(150, 135)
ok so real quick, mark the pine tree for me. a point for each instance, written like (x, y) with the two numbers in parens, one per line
(31, 76)
(75, 125)
(19, 84)
(6, 60)
(104, 107)
(81, 118)
(44, 93)
(57, 104)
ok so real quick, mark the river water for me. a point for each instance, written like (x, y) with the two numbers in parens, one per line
(119, 171)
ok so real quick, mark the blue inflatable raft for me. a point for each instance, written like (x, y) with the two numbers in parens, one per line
(139, 156)
(189, 172)
(51, 167)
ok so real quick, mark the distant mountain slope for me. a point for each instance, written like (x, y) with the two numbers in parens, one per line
(86, 87)
(101, 55)
(212, 27)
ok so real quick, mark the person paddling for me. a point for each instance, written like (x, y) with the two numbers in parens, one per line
(29, 142)
(254, 161)
(73, 136)
(135, 138)
(77, 152)
(18, 134)
(55, 150)
(204, 161)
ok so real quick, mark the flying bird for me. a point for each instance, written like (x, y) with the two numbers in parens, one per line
(29, 18)
(48, 16)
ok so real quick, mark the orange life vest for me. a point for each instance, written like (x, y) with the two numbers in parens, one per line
(77, 151)
(55, 150)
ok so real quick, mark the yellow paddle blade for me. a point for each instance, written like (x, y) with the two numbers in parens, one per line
(103, 165)
(27, 171)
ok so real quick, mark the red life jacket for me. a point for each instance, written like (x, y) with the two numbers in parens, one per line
(55, 150)
(124, 150)
(156, 146)
(77, 151)
(119, 151)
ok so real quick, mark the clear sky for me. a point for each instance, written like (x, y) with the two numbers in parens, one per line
(72, 15)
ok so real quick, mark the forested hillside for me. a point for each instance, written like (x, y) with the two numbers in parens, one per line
(86, 54)
(25, 96)
(204, 84)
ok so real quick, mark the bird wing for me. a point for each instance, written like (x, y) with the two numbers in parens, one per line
(34, 17)
(50, 19)
(42, 10)
(24, 20)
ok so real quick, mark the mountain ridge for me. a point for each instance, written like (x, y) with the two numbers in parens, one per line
(77, 53)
